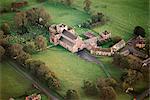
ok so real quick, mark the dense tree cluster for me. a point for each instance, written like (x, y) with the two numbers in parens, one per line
(34, 16)
(130, 77)
(30, 47)
(3, 44)
(134, 71)
(120, 60)
(108, 93)
(104, 88)
(38, 16)
(21, 21)
(42, 72)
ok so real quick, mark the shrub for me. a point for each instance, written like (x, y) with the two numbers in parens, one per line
(108, 93)
(138, 30)
(5, 28)
(71, 95)
(90, 88)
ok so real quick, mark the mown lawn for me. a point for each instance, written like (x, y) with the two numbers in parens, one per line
(12, 83)
(71, 69)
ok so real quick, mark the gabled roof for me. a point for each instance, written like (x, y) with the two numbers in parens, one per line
(102, 49)
(137, 53)
(139, 39)
(67, 41)
(119, 44)
(70, 35)
(89, 34)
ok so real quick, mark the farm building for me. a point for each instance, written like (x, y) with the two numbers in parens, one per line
(118, 45)
(89, 35)
(67, 38)
(104, 36)
(139, 42)
(34, 97)
(60, 34)
(90, 43)
(102, 51)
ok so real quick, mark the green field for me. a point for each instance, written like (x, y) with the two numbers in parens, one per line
(69, 68)
(72, 70)
(115, 71)
(12, 83)
(124, 15)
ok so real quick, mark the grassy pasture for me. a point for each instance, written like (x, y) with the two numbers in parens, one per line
(124, 15)
(71, 69)
(12, 83)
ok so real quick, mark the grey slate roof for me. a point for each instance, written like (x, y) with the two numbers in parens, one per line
(66, 41)
(70, 35)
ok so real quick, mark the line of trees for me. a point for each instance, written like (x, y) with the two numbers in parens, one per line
(35, 67)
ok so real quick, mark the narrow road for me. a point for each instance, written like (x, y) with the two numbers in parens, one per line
(89, 57)
(43, 88)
